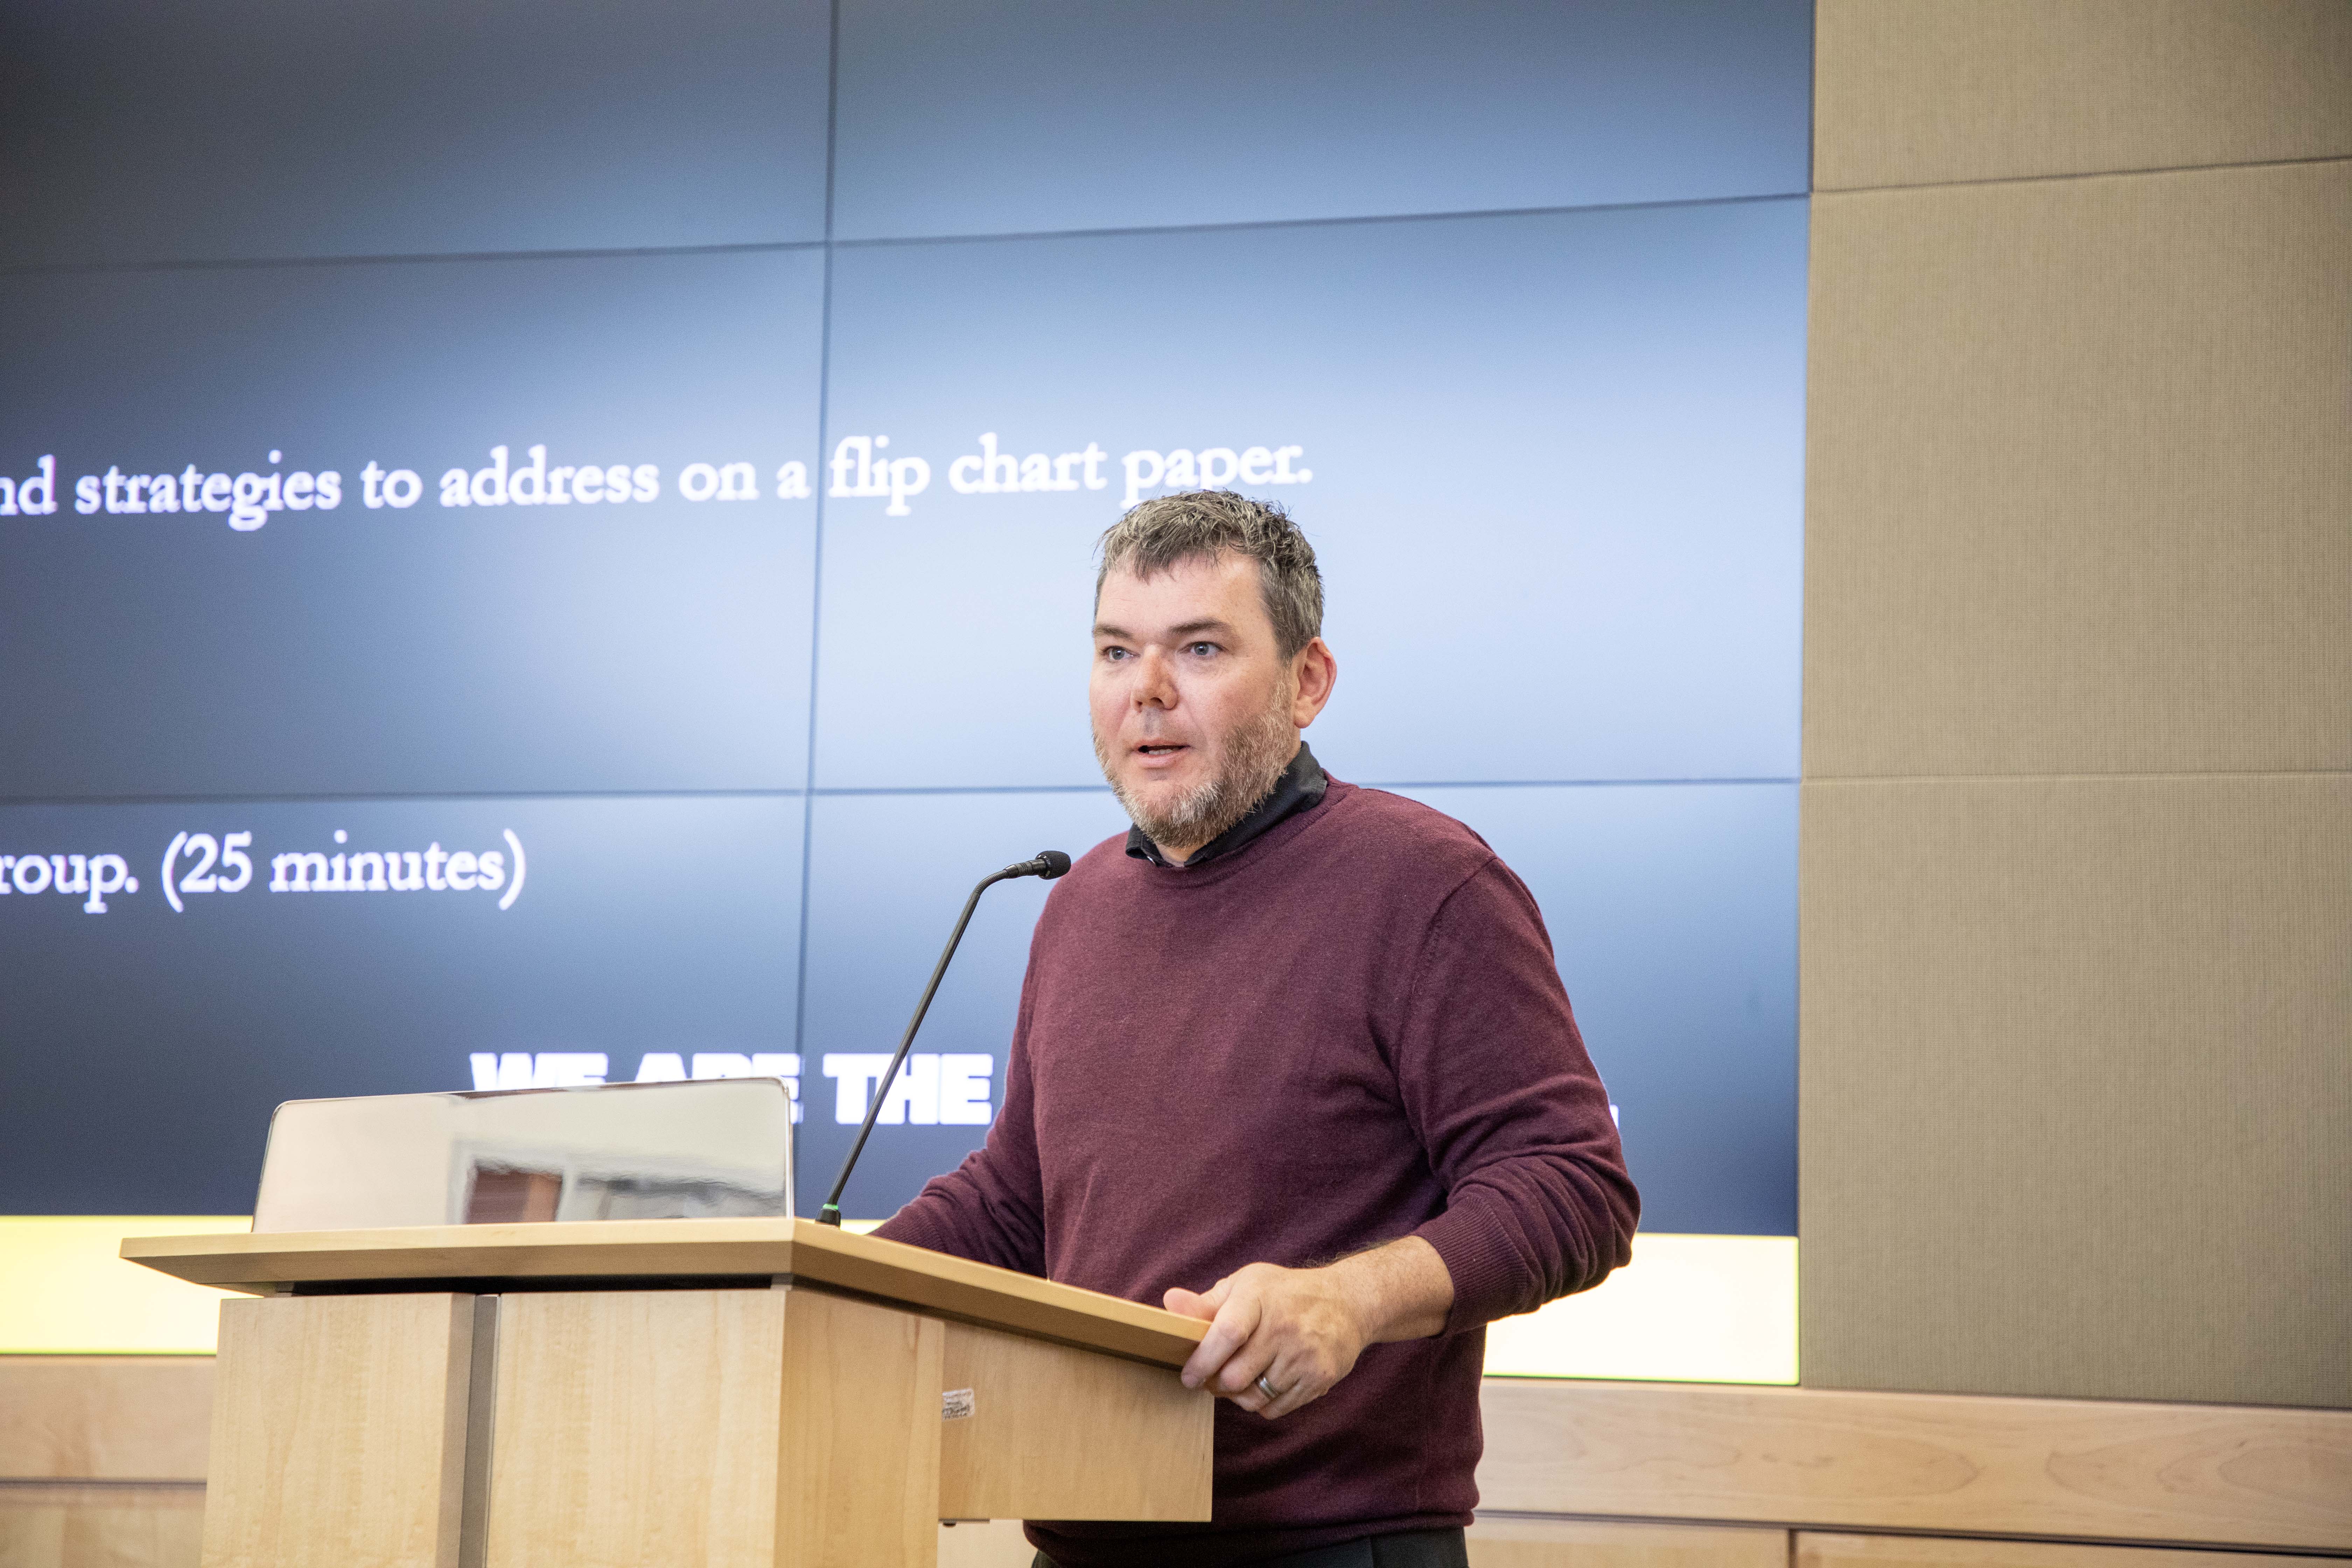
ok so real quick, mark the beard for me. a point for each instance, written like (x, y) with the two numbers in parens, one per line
(1250, 757)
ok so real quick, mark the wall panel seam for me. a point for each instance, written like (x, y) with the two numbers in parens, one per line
(1239, 226)
(2074, 777)
(2081, 174)
(762, 247)
(400, 258)
(1809, 1526)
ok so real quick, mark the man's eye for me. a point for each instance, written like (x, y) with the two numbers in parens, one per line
(1202, 647)
(1114, 653)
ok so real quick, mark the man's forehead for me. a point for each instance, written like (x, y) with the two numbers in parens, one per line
(1195, 593)
(1220, 571)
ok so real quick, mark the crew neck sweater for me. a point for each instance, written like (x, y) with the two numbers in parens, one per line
(1348, 1031)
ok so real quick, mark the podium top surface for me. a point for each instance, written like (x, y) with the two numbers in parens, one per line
(615, 1252)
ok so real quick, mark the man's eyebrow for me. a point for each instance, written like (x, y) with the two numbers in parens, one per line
(1189, 628)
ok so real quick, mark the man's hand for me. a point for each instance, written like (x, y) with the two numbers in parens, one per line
(1302, 1328)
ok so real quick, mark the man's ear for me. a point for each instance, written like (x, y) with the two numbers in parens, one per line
(1314, 672)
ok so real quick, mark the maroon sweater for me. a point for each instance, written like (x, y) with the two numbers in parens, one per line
(1349, 1031)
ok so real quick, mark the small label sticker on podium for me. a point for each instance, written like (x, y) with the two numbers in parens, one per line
(955, 1404)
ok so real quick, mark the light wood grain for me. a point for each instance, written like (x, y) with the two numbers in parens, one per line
(1672, 1452)
(338, 1434)
(2086, 1469)
(662, 1249)
(68, 1525)
(1815, 1550)
(111, 1418)
(860, 1450)
(985, 1543)
(725, 1428)
(635, 1429)
(1058, 1433)
(1509, 1542)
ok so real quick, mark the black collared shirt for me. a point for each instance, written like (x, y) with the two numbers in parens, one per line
(1299, 788)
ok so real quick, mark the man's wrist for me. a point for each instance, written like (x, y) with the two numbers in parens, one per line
(1399, 1291)
(1358, 1283)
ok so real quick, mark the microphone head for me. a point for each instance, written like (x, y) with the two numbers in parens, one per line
(1052, 863)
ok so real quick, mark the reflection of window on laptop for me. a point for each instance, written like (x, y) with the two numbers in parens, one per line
(500, 1195)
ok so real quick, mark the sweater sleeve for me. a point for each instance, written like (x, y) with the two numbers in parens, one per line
(991, 1208)
(1514, 1118)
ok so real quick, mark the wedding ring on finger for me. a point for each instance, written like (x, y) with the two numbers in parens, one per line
(1267, 1389)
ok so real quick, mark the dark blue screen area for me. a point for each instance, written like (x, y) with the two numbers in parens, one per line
(146, 1046)
(238, 128)
(1014, 117)
(888, 874)
(876, 327)
(644, 644)
(1673, 910)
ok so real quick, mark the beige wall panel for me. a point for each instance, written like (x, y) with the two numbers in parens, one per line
(109, 1418)
(1912, 92)
(339, 1432)
(636, 1429)
(2073, 1086)
(1507, 1542)
(2079, 471)
(108, 1526)
(1832, 1459)
(1817, 1550)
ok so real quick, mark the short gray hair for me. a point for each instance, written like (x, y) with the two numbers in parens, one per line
(1166, 530)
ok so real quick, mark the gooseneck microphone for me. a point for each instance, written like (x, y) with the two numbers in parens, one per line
(1049, 864)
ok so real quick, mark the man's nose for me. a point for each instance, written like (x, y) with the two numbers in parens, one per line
(1155, 686)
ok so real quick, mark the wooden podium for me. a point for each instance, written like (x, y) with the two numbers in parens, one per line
(668, 1394)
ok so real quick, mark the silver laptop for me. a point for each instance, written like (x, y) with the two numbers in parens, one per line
(718, 1148)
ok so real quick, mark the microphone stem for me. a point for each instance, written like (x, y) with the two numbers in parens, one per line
(830, 1213)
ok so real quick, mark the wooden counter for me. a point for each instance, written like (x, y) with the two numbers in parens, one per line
(488, 1256)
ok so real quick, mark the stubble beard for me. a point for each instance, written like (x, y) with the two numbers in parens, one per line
(1250, 759)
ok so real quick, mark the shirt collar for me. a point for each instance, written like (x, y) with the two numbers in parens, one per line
(1301, 785)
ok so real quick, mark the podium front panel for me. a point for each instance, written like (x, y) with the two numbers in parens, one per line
(670, 1393)
(635, 1429)
(713, 1428)
(339, 1432)
(1038, 1430)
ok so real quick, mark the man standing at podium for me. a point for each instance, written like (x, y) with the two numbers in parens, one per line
(1292, 1056)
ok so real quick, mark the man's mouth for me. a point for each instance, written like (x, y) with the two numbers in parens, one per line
(1159, 749)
